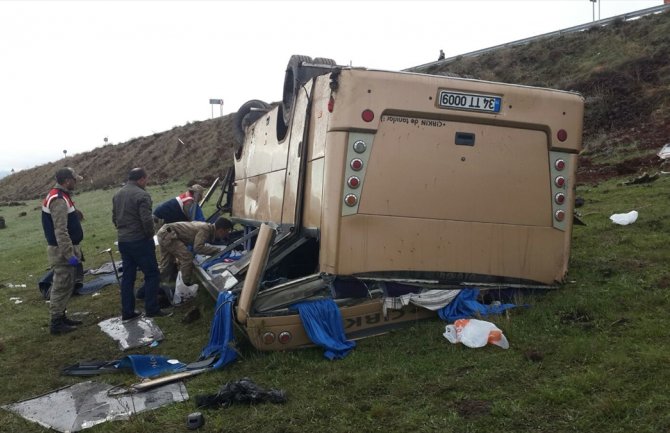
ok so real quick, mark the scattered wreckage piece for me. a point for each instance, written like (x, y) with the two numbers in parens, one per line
(84, 405)
(137, 333)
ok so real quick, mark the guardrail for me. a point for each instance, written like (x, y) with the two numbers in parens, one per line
(579, 28)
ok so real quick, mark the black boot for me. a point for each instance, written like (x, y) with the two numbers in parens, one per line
(58, 327)
(71, 322)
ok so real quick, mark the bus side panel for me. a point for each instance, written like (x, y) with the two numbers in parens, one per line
(319, 119)
(262, 153)
(313, 194)
(378, 243)
(259, 198)
(293, 164)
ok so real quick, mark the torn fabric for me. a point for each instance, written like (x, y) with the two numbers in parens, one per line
(465, 305)
(221, 337)
(430, 299)
(323, 323)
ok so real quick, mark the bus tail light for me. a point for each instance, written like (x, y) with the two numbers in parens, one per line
(353, 182)
(285, 337)
(356, 164)
(359, 148)
(559, 215)
(268, 338)
(559, 198)
(562, 135)
(350, 200)
(367, 115)
(559, 181)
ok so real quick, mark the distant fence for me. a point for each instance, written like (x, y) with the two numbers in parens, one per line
(579, 28)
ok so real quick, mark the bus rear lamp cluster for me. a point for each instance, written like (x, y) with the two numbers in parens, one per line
(350, 200)
(284, 337)
(356, 164)
(353, 182)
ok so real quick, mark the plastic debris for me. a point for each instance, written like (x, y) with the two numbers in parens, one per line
(624, 219)
(16, 300)
(241, 391)
(475, 333)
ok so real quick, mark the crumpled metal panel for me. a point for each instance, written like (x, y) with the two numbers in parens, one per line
(136, 333)
(86, 404)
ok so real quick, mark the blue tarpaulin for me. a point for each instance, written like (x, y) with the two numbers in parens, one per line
(150, 365)
(323, 323)
(221, 335)
(465, 305)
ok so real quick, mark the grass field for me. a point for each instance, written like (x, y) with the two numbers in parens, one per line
(592, 356)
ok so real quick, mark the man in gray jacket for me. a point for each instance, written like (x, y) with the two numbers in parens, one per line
(131, 215)
(174, 239)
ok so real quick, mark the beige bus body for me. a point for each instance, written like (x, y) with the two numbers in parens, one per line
(394, 177)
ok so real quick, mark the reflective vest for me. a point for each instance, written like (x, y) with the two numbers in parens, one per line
(73, 224)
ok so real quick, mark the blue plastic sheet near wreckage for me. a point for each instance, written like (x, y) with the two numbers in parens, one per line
(465, 305)
(323, 323)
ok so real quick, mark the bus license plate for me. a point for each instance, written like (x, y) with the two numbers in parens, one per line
(469, 101)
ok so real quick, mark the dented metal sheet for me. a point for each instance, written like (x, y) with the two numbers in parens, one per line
(140, 332)
(86, 404)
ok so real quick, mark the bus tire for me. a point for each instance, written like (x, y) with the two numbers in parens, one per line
(295, 77)
(324, 61)
(247, 114)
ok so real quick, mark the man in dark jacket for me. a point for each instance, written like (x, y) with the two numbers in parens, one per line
(184, 207)
(131, 215)
(63, 232)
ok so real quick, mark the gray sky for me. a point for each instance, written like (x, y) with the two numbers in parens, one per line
(75, 72)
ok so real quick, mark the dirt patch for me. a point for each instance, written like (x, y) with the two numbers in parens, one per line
(473, 408)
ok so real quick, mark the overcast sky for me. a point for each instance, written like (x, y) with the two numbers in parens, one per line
(75, 72)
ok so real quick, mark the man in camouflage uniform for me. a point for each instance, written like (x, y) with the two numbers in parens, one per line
(174, 239)
(63, 232)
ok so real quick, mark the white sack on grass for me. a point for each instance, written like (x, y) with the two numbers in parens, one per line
(624, 219)
(182, 292)
(475, 333)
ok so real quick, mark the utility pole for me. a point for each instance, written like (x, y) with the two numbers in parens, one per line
(218, 102)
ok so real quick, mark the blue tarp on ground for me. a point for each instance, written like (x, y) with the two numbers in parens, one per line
(465, 305)
(221, 335)
(150, 365)
(323, 323)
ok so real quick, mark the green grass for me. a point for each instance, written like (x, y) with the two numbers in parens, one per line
(590, 357)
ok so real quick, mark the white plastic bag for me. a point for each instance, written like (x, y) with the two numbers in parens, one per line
(624, 219)
(475, 333)
(182, 292)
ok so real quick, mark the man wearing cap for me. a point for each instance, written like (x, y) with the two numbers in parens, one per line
(63, 232)
(131, 215)
(174, 239)
(184, 207)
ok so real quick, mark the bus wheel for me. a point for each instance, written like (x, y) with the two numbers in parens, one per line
(324, 61)
(247, 114)
(295, 77)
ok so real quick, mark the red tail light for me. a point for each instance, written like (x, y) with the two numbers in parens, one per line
(268, 338)
(562, 135)
(356, 164)
(559, 215)
(559, 164)
(285, 337)
(350, 200)
(559, 198)
(353, 182)
(559, 181)
(368, 115)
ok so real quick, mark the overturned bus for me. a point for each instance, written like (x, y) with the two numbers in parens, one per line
(364, 184)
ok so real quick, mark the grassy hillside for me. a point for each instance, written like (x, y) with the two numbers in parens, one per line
(621, 69)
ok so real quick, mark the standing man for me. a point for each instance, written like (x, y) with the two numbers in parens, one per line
(184, 207)
(131, 215)
(63, 232)
(175, 238)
